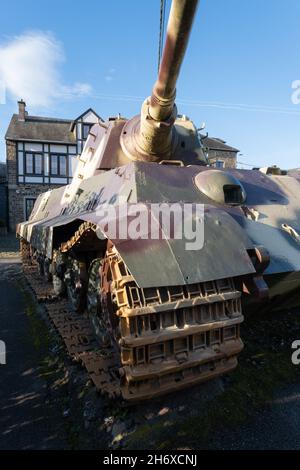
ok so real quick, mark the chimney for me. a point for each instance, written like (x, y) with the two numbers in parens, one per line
(22, 110)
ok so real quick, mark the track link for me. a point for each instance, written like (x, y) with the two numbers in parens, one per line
(168, 337)
(78, 335)
(172, 337)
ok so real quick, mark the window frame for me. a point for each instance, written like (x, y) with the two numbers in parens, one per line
(26, 199)
(33, 173)
(85, 124)
(219, 161)
(58, 174)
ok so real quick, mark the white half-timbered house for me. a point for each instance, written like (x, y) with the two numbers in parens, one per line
(41, 153)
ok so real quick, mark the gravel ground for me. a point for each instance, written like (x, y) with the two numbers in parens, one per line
(66, 412)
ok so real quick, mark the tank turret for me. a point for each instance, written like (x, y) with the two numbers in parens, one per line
(151, 136)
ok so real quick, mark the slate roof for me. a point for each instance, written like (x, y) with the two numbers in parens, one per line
(44, 129)
(213, 143)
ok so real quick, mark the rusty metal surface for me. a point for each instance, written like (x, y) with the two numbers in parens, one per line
(172, 337)
(169, 338)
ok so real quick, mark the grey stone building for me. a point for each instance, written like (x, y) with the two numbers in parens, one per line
(219, 154)
(3, 195)
(41, 153)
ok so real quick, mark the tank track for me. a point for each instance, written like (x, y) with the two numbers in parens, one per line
(172, 337)
(168, 337)
(78, 336)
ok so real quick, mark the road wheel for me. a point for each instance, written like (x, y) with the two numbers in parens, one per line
(76, 283)
(100, 303)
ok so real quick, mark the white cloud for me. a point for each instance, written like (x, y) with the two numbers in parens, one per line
(110, 75)
(29, 67)
(76, 90)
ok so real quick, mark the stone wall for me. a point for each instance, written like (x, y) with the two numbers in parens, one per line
(16, 201)
(3, 193)
(229, 158)
(3, 202)
(11, 162)
(17, 193)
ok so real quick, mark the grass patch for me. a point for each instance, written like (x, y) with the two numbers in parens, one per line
(38, 330)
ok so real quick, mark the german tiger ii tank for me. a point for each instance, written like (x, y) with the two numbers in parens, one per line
(171, 314)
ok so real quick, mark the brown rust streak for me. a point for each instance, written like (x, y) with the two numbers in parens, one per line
(135, 380)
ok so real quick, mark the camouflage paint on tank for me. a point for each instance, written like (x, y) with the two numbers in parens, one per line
(173, 314)
(110, 172)
(274, 198)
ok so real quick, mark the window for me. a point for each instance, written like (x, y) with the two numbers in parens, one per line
(29, 203)
(63, 165)
(54, 165)
(58, 165)
(38, 164)
(33, 163)
(85, 130)
(219, 164)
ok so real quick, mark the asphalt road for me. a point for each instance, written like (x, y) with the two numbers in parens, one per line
(26, 420)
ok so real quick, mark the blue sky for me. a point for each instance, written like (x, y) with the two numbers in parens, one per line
(65, 56)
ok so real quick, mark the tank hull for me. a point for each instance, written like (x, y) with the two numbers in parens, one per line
(178, 311)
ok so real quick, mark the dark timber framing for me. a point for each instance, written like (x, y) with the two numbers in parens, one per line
(46, 136)
(46, 153)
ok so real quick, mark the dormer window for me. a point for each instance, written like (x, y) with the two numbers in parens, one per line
(81, 127)
(85, 130)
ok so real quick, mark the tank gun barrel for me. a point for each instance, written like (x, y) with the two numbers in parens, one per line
(151, 136)
(179, 27)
